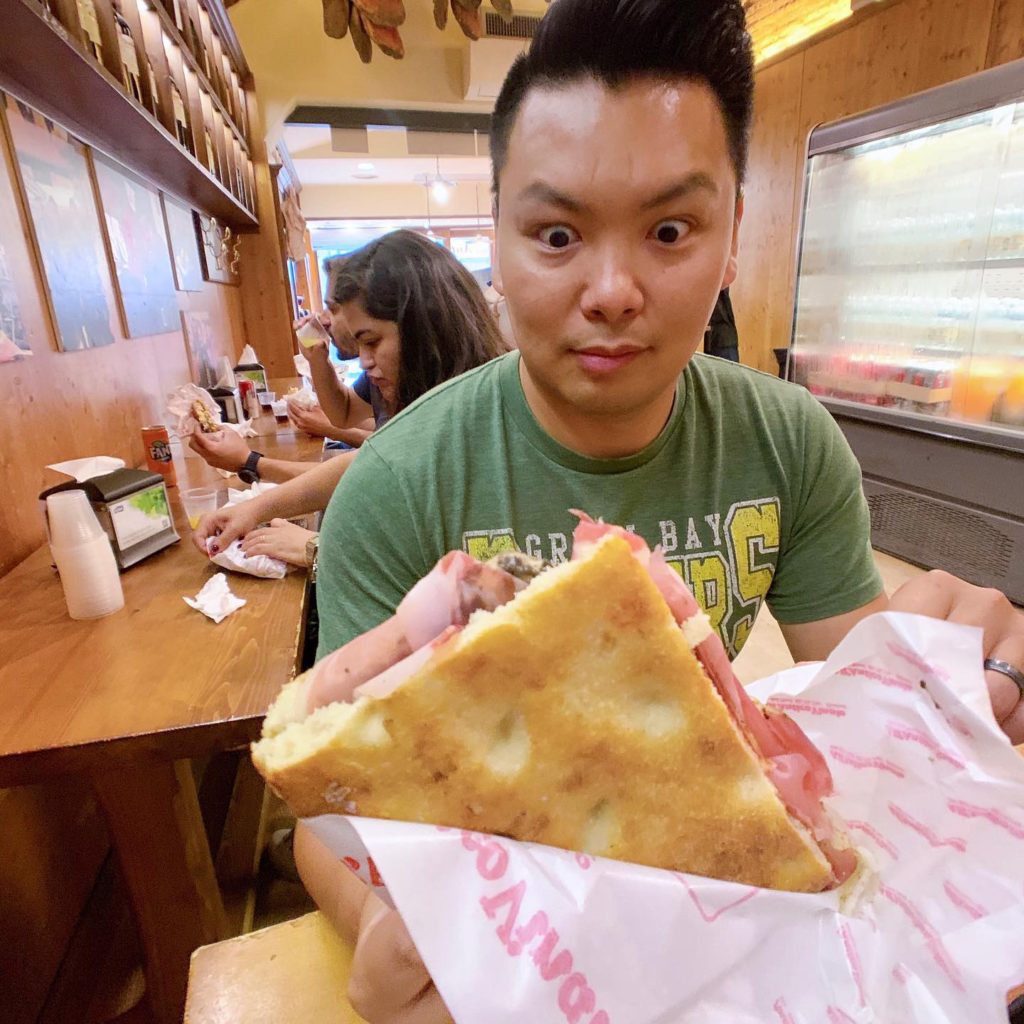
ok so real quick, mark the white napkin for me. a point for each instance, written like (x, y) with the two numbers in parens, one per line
(226, 377)
(215, 600)
(247, 494)
(234, 558)
(302, 365)
(248, 356)
(86, 469)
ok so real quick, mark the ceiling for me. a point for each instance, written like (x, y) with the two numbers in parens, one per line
(295, 63)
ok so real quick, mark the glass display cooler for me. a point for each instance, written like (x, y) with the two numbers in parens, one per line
(909, 317)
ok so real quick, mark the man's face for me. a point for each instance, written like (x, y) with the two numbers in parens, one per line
(616, 231)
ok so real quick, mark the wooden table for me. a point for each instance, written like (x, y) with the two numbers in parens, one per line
(127, 699)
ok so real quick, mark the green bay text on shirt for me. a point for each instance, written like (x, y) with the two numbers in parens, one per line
(750, 490)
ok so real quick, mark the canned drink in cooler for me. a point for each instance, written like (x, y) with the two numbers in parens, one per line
(157, 443)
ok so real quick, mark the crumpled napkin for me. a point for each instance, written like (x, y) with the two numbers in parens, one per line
(215, 600)
(248, 493)
(302, 366)
(234, 558)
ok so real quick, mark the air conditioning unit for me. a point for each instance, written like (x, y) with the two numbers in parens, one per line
(490, 57)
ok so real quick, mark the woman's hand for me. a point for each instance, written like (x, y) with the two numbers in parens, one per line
(312, 421)
(225, 525)
(280, 539)
(222, 450)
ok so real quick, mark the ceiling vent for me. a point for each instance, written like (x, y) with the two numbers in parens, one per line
(522, 26)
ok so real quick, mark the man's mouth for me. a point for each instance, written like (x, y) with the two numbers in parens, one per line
(602, 359)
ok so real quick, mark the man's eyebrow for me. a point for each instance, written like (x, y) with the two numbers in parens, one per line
(697, 181)
(541, 192)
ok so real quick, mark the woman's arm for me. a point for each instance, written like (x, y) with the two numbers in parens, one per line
(308, 492)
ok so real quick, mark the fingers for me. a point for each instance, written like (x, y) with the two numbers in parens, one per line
(388, 981)
(207, 528)
(1006, 695)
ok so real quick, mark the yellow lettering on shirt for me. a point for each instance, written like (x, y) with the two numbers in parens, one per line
(752, 530)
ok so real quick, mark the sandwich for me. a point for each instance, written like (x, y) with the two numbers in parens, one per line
(206, 422)
(590, 706)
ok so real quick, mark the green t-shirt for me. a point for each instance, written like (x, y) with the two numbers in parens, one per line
(750, 489)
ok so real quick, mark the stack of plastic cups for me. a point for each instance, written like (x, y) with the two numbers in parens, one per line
(85, 560)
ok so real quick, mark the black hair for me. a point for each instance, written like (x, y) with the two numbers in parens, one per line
(445, 326)
(616, 42)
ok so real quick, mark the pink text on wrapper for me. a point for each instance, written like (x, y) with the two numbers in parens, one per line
(800, 705)
(992, 814)
(860, 668)
(576, 998)
(899, 731)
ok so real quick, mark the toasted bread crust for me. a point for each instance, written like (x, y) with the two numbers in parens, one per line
(575, 716)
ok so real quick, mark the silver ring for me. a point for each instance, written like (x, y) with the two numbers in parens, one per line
(1006, 669)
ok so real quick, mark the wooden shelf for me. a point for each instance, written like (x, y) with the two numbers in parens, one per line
(43, 65)
(172, 33)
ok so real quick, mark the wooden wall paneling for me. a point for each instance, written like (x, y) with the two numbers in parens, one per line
(766, 234)
(67, 13)
(110, 34)
(953, 37)
(53, 841)
(265, 296)
(132, 13)
(1006, 41)
(196, 119)
(154, 40)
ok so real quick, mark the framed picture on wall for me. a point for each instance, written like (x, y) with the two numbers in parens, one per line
(53, 169)
(199, 345)
(218, 249)
(139, 253)
(13, 340)
(181, 233)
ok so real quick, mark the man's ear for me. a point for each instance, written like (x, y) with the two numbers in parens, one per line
(732, 267)
(496, 261)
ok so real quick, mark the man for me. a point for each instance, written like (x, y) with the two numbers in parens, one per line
(619, 146)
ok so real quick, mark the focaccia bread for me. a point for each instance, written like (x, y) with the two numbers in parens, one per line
(576, 715)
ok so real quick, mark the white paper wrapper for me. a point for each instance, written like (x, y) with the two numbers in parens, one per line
(302, 365)
(235, 559)
(86, 469)
(931, 790)
(304, 398)
(179, 409)
(215, 600)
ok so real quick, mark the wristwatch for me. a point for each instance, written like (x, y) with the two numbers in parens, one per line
(249, 474)
(312, 553)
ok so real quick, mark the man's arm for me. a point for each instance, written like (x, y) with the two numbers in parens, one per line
(815, 641)
(343, 406)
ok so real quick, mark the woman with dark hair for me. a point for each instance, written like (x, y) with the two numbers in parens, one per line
(417, 318)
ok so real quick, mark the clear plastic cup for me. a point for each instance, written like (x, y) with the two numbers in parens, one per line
(198, 501)
(312, 332)
(71, 519)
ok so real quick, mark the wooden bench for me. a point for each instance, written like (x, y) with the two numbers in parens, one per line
(290, 973)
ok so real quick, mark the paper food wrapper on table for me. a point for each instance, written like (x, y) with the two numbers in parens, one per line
(303, 398)
(930, 789)
(233, 557)
(215, 600)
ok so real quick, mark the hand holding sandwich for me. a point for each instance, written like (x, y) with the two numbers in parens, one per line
(943, 596)
(389, 983)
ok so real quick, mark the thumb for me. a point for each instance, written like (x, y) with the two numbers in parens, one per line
(279, 522)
